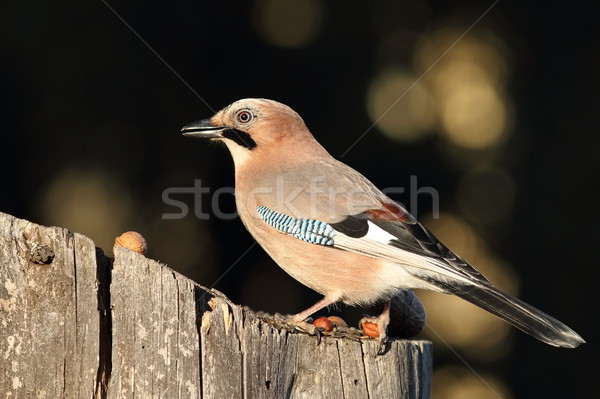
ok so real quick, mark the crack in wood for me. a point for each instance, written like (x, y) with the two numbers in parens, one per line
(105, 344)
(88, 326)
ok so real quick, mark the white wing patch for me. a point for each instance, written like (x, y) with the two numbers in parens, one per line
(376, 233)
(376, 244)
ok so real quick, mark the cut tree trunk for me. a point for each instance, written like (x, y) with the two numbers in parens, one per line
(77, 324)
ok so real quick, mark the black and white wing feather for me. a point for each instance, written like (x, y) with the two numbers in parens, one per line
(396, 236)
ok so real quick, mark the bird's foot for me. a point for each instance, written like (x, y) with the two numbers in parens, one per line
(306, 326)
(375, 327)
(294, 324)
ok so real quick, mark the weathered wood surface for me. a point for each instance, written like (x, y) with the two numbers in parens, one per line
(83, 326)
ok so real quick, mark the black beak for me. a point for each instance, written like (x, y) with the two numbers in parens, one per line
(203, 129)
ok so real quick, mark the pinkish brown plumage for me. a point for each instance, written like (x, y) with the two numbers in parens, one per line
(332, 230)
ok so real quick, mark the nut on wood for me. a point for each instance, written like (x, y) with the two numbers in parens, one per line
(370, 329)
(338, 321)
(324, 323)
(132, 240)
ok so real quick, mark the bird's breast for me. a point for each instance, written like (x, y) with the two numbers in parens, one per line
(343, 275)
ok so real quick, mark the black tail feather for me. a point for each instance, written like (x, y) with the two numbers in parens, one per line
(516, 312)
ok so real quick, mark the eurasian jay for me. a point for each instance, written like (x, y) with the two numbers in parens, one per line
(332, 230)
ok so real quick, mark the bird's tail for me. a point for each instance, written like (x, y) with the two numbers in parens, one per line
(516, 312)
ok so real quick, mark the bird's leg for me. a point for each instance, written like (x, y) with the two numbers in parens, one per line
(313, 309)
(299, 320)
(382, 322)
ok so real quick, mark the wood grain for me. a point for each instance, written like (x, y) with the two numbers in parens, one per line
(77, 324)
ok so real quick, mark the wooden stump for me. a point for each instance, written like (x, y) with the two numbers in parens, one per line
(76, 324)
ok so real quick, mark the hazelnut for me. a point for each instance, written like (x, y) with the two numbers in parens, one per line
(324, 323)
(370, 329)
(338, 321)
(132, 240)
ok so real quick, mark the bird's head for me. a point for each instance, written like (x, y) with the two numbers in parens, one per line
(252, 128)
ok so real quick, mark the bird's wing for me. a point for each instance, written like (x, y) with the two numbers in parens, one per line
(392, 233)
(384, 230)
(362, 218)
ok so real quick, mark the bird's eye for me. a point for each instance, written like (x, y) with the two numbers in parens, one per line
(245, 116)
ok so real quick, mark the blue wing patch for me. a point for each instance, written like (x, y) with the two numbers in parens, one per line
(309, 230)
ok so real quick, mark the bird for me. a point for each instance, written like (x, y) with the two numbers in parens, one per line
(334, 231)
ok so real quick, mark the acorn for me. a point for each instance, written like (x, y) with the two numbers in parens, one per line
(133, 241)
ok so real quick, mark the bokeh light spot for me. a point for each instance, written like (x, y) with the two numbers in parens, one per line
(400, 106)
(451, 382)
(467, 84)
(479, 57)
(287, 23)
(473, 116)
(89, 201)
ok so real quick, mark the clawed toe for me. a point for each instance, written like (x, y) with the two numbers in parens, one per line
(305, 326)
(375, 327)
(292, 323)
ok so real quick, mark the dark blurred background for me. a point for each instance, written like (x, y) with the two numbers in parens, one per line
(498, 114)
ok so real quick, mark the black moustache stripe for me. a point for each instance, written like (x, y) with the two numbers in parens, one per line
(240, 137)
